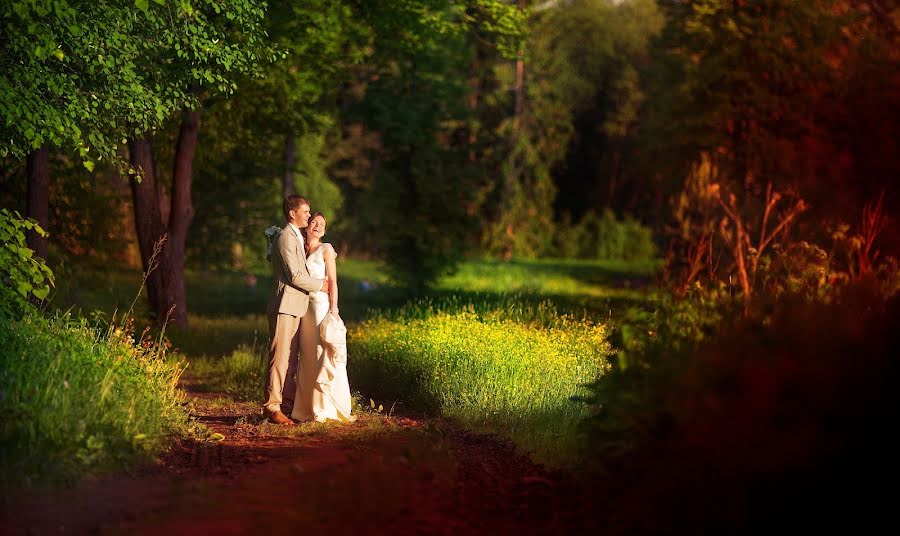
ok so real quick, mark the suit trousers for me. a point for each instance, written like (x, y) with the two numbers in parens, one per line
(284, 336)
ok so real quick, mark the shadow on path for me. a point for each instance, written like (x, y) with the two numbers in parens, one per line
(379, 475)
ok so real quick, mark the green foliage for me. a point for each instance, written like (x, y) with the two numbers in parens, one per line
(511, 371)
(605, 238)
(417, 191)
(84, 75)
(82, 399)
(406, 167)
(804, 268)
(744, 81)
(226, 311)
(652, 346)
(219, 333)
(24, 276)
(293, 98)
(313, 181)
(580, 67)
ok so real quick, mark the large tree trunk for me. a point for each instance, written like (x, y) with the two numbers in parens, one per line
(155, 256)
(38, 206)
(182, 212)
(290, 165)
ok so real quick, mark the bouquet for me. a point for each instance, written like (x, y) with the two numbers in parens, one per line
(271, 233)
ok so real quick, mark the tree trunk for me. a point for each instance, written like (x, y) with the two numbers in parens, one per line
(613, 176)
(38, 206)
(520, 82)
(149, 227)
(182, 212)
(290, 165)
(475, 86)
(512, 175)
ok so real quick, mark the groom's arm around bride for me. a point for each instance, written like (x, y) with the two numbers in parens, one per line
(296, 276)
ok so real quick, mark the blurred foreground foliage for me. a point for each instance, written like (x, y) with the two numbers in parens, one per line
(717, 420)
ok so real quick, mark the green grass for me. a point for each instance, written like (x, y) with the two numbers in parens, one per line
(241, 374)
(219, 336)
(512, 371)
(551, 277)
(76, 399)
(498, 346)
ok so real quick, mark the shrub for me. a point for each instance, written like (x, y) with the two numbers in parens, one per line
(604, 238)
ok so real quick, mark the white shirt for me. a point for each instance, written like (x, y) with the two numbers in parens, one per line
(298, 233)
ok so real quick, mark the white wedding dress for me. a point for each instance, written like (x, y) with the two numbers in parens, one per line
(331, 358)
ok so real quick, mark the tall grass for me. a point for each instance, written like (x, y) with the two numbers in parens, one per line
(76, 398)
(512, 371)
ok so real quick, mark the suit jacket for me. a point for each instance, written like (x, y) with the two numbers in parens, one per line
(292, 280)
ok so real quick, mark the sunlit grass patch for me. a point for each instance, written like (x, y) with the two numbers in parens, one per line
(241, 374)
(77, 399)
(496, 371)
(552, 277)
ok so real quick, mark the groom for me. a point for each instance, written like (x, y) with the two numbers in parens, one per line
(288, 309)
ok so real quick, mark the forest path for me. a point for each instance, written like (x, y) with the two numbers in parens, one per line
(379, 475)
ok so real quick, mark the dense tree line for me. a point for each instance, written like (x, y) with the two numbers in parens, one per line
(428, 131)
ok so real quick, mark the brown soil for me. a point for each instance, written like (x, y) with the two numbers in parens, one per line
(379, 475)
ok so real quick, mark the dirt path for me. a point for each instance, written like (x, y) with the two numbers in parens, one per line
(379, 475)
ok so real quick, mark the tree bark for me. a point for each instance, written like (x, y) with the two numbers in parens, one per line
(182, 212)
(520, 82)
(512, 175)
(613, 176)
(38, 206)
(149, 227)
(475, 86)
(290, 165)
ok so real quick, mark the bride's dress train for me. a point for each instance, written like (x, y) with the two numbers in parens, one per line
(330, 390)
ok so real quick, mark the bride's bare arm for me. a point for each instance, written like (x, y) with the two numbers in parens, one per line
(331, 275)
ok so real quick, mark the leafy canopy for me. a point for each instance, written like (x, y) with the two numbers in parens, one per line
(86, 74)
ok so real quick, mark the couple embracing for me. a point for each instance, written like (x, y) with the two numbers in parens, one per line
(307, 372)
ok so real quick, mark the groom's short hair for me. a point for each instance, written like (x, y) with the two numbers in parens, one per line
(292, 202)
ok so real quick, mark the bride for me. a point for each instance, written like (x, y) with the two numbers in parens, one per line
(327, 384)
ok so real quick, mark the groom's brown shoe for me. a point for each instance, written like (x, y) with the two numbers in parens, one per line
(277, 417)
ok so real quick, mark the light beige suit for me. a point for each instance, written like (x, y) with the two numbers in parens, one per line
(288, 309)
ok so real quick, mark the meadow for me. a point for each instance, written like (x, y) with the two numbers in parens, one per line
(497, 347)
